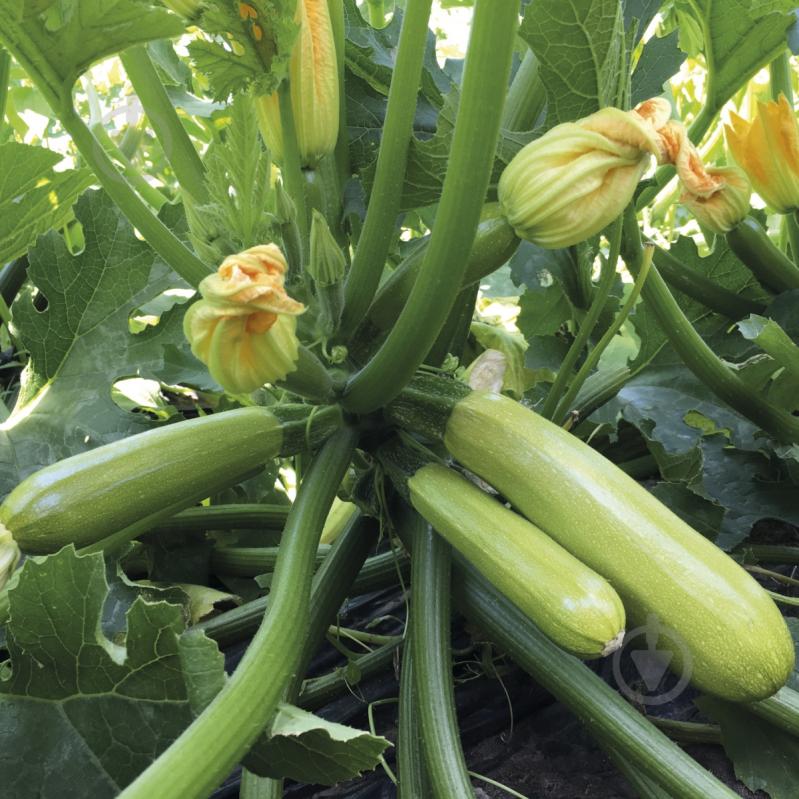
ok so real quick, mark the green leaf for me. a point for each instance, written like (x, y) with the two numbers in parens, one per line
(660, 60)
(744, 36)
(81, 342)
(81, 715)
(238, 171)
(33, 197)
(764, 757)
(580, 44)
(233, 57)
(58, 42)
(307, 748)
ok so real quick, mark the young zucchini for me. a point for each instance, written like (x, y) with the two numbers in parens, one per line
(121, 489)
(733, 640)
(569, 602)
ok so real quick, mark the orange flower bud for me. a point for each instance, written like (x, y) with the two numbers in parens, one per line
(244, 327)
(314, 88)
(767, 148)
(578, 177)
(722, 209)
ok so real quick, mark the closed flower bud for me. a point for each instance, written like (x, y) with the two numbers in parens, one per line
(327, 261)
(726, 206)
(314, 89)
(767, 148)
(578, 177)
(243, 329)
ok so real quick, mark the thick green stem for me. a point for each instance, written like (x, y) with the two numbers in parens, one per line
(782, 710)
(430, 636)
(225, 517)
(342, 154)
(608, 717)
(792, 225)
(595, 703)
(695, 353)
(12, 278)
(377, 13)
(157, 235)
(471, 158)
(773, 553)
(175, 141)
(291, 167)
(592, 358)
(380, 571)
(310, 379)
(252, 561)
(220, 736)
(5, 73)
(412, 779)
(750, 242)
(384, 202)
(526, 96)
(781, 77)
(702, 289)
(606, 279)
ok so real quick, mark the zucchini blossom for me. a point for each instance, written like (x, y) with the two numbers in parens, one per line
(721, 209)
(767, 148)
(313, 88)
(578, 177)
(243, 328)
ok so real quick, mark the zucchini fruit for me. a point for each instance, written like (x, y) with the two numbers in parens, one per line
(121, 489)
(569, 602)
(733, 640)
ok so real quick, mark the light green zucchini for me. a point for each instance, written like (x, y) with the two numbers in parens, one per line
(569, 602)
(733, 640)
(124, 487)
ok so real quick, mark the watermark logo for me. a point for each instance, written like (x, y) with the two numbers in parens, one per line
(652, 663)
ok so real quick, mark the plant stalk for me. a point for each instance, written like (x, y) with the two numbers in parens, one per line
(770, 265)
(695, 353)
(220, 736)
(175, 141)
(384, 202)
(430, 636)
(471, 158)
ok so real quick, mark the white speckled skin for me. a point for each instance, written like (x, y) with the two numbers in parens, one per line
(740, 646)
(569, 602)
(85, 498)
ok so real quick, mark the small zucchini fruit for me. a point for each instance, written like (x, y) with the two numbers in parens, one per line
(733, 640)
(569, 602)
(121, 489)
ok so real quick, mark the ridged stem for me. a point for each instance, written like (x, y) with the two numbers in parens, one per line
(430, 637)
(175, 141)
(291, 167)
(695, 353)
(767, 262)
(220, 736)
(5, 74)
(471, 158)
(782, 710)
(342, 154)
(155, 233)
(594, 355)
(606, 278)
(702, 289)
(412, 779)
(248, 516)
(526, 96)
(384, 201)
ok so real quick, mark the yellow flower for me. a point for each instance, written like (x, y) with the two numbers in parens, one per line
(243, 329)
(314, 88)
(578, 177)
(767, 148)
(727, 205)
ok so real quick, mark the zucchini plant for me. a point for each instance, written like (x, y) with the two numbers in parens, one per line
(295, 308)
